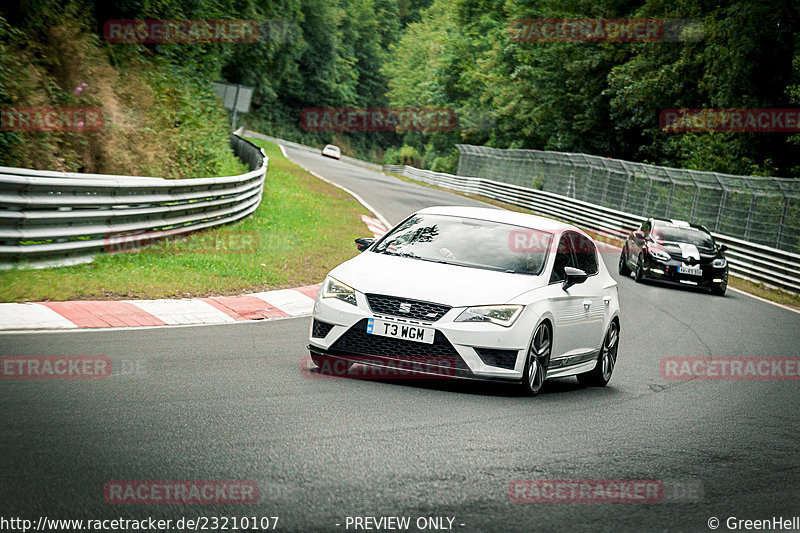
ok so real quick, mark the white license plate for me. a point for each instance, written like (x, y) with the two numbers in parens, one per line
(400, 331)
(690, 271)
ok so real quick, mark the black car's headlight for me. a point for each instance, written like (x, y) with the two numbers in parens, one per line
(720, 262)
(333, 288)
(502, 315)
(661, 255)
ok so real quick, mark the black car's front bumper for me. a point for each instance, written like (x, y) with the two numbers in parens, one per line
(669, 272)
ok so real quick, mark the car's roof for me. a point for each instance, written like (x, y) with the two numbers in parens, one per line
(501, 215)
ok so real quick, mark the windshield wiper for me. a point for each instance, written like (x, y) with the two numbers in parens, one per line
(472, 265)
(454, 263)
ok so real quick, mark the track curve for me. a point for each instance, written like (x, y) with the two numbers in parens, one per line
(230, 402)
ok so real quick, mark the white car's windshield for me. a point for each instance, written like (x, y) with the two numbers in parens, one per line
(469, 242)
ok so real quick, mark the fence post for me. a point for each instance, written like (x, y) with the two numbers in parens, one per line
(782, 227)
(628, 177)
(671, 195)
(694, 202)
(588, 182)
(571, 184)
(605, 187)
(749, 216)
(646, 206)
(722, 203)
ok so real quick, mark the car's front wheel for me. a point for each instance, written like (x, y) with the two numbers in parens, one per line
(606, 361)
(537, 360)
(639, 276)
(720, 289)
(623, 268)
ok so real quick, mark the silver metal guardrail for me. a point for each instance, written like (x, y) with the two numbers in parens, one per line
(757, 209)
(59, 218)
(755, 262)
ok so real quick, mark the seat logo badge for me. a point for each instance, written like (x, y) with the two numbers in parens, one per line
(405, 308)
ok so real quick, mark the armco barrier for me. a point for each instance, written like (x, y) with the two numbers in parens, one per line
(57, 218)
(748, 260)
(763, 210)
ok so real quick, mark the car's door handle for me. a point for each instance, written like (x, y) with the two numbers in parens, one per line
(587, 304)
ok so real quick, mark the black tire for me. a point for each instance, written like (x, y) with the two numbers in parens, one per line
(537, 360)
(623, 268)
(639, 277)
(606, 360)
(720, 289)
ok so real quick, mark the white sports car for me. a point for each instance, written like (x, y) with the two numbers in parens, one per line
(473, 293)
(332, 151)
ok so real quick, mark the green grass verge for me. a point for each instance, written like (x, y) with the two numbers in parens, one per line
(756, 289)
(303, 228)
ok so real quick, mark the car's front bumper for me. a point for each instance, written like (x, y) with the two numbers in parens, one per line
(668, 272)
(460, 349)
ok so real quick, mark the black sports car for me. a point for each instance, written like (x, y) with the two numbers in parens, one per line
(676, 252)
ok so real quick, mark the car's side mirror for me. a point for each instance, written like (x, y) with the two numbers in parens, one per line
(575, 276)
(723, 247)
(364, 243)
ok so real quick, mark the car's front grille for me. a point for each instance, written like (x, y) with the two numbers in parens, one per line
(403, 307)
(441, 353)
(320, 329)
(499, 358)
(704, 259)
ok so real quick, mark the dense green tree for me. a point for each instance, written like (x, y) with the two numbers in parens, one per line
(597, 97)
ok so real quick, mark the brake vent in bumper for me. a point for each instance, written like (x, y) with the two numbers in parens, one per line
(499, 358)
(320, 329)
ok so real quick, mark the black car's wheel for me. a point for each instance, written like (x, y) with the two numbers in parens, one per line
(331, 365)
(623, 268)
(599, 376)
(720, 289)
(639, 276)
(537, 360)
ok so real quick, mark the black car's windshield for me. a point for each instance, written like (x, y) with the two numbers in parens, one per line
(469, 242)
(687, 235)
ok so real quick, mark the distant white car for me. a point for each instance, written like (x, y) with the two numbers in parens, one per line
(333, 151)
(473, 293)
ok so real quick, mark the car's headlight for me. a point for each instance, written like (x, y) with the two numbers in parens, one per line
(661, 255)
(334, 288)
(502, 315)
(720, 262)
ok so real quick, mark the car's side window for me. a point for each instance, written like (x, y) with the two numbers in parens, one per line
(564, 258)
(585, 253)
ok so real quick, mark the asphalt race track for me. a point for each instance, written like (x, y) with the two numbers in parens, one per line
(230, 402)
